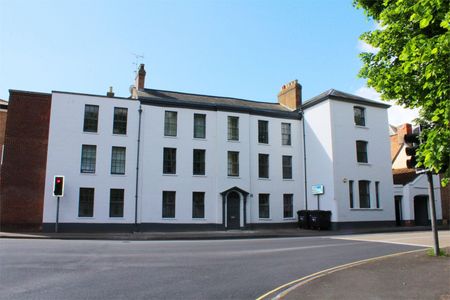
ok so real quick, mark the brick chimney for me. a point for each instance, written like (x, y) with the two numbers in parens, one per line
(397, 139)
(110, 93)
(140, 77)
(290, 95)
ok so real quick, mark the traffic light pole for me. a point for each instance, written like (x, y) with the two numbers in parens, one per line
(57, 214)
(433, 213)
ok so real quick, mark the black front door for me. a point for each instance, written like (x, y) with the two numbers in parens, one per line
(421, 210)
(233, 211)
(398, 210)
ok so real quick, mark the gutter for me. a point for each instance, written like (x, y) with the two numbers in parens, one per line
(137, 171)
(302, 114)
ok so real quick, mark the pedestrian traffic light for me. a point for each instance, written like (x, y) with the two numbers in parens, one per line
(58, 186)
(413, 142)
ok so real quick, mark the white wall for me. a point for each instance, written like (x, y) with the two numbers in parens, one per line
(66, 138)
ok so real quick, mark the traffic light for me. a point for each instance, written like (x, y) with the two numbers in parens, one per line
(58, 186)
(413, 142)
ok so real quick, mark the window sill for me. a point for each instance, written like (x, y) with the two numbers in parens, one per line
(263, 178)
(117, 218)
(118, 175)
(88, 174)
(263, 144)
(289, 219)
(168, 219)
(165, 174)
(86, 218)
(199, 139)
(120, 134)
(361, 126)
(89, 132)
(288, 179)
(233, 141)
(265, 219)
(364, 164)
(366, 209)
(171, 136)
(199, 219)
(233, 177)
(198, 175)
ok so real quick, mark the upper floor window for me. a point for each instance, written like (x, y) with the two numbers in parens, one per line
(116, 203)
(263, 164)
(233, 163)
(263, 132)
(286, 133)
(287, 167)
(170, 123)
(364, 194)
(361, 151)
(170, 161)
(90, 118)
(199, 126)
(120, 120)
(86, 202)
(199, 162)
(88, 158)
(233, 128)
(118, 160)
(359, 115)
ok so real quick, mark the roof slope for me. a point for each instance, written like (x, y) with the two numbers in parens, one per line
(171, 98)
(341, 96)
(404, 176)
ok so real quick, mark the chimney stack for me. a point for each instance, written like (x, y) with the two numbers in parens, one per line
(290, 95)
(110, 93)
(140, 77)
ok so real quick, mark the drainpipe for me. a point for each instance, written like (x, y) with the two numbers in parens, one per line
(137, 171)
(302, 113)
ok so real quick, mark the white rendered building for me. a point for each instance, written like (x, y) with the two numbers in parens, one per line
(163, 160)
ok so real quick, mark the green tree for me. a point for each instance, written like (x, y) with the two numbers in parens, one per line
(411, 65)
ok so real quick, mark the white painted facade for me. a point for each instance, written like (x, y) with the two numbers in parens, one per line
(66, 137)
(331, 136)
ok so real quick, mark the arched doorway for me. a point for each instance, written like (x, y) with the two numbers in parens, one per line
(421, 211)
(233, 210)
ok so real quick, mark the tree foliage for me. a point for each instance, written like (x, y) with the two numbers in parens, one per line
(412, 67)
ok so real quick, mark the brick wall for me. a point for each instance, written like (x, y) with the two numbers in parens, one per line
(24, 161)
(3, 113)
(397, 139)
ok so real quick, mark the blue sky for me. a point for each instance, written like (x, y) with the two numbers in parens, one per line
(244, 49)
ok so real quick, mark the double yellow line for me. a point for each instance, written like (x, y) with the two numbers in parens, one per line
(288, 287)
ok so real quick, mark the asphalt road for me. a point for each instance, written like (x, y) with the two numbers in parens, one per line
(209, 269)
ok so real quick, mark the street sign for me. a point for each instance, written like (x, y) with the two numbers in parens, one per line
(317, 189)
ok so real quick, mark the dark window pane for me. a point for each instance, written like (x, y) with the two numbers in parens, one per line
(199, 126)
(287, 167)
(359, 115)
(199, 162)
(233, 163)
(361, 151)
(286, 133)
(364, 194)
(86, 202)
(377, 193)
(288, 206)
(168, 205)
(120, 120)
(170, 161)
(263, 162)
(116, 203)
(90, 118)
(118, 160)
(233, 128)
(170, 123)
(264, 208)
(88, 158)
(198, 205)
(263, 132)
(350, 193)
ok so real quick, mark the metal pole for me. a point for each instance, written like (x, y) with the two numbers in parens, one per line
(57, 214)
(137, 171)
(318, 205)
(433, 213)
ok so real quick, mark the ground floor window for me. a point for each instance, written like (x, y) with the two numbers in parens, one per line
(364, 194)
(168, 204)
(288, 209)
(198, 205)
(116, 203)
(264, 208)
(86, 202)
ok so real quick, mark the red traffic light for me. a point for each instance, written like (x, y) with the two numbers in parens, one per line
(58, 186)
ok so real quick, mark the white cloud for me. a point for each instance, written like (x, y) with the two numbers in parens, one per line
(364, 47)
(397, 115)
